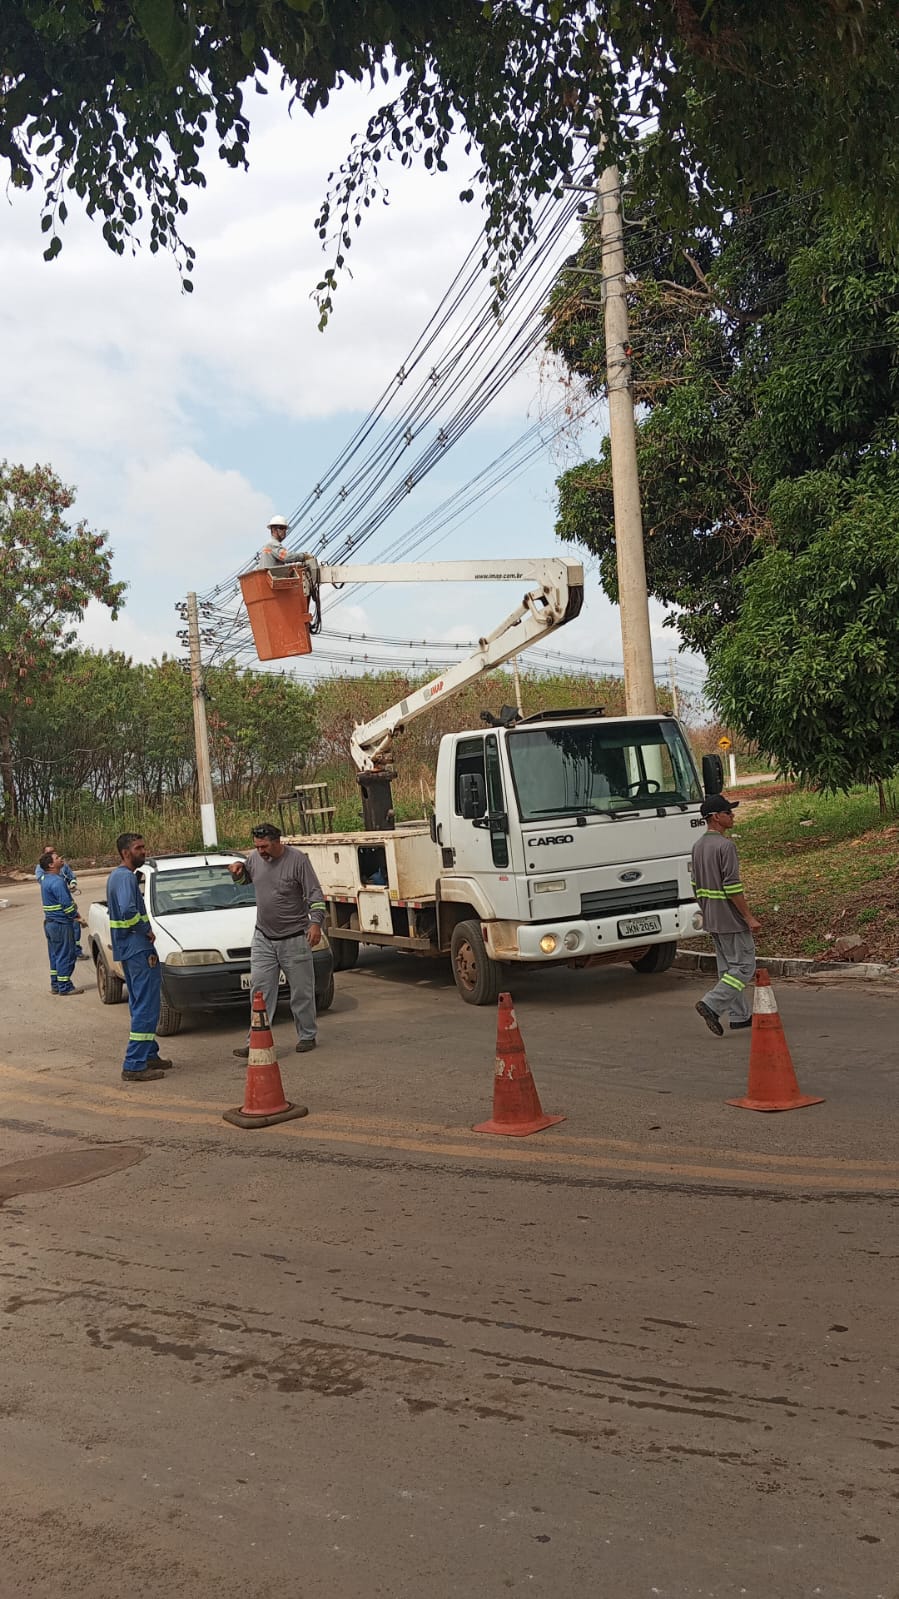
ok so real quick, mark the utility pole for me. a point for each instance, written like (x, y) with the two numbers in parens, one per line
(516, 678)
(636, 640)
(672, 678)
(201, 731)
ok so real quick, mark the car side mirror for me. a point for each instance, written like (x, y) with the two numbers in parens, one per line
(472, 796)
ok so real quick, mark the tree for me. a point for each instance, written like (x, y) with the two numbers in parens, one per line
(115, 102)
(761, 352)
(766, 359)
(49, 572)
(809, 667)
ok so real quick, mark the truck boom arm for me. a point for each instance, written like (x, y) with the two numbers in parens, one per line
(555, 599)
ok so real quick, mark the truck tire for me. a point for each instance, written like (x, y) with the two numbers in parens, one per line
(110, 988)
(169, 1021)
(658, 959)
(477, 976)
(346, 953)
(325, 999)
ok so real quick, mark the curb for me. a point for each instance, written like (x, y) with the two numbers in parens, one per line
(693, 960)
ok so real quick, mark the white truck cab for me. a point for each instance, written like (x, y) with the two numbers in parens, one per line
(563, 837)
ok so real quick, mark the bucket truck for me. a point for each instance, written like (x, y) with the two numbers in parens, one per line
(562, 838)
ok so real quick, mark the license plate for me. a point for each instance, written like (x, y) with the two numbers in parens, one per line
(638, 926)
(245, 980)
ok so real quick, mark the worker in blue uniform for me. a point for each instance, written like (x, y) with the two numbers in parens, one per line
(132, 947)
(68, 877)
(60, 918)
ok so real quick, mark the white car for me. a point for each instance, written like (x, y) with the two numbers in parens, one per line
(203, 922)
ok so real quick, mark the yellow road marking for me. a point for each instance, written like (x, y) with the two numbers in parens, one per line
(456, 1145)
(391, 1127)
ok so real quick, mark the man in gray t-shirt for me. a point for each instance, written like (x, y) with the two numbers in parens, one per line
(726, 917)
(290, 914)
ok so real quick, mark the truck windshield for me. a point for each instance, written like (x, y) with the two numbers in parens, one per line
(198, 888)
(603, 768)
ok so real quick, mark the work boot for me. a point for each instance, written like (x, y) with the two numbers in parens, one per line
(710, 1019)
(147, 1075)
(241, 1054)
(156, 1061)
(736, 1026)
(304, 1046)
(69, 989)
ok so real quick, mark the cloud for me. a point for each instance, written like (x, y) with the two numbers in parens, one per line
(98, 631)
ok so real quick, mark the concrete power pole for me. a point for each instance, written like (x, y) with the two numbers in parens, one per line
(636, 640)
(201, 731)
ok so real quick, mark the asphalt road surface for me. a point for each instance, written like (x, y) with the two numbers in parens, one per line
(651, 1351)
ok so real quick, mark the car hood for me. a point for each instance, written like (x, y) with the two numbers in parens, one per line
(214, 929)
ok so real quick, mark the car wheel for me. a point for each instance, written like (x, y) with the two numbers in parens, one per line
(477, 975)
(325, 999)
(110, 988)
(169, 1021)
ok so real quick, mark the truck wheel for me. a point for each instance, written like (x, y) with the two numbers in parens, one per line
(110, 987)
(325, 999)
(169, 1021)
(658, 959)
(346, 953)
(477, 976)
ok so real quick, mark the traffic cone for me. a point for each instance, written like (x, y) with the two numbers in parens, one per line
(264, 1104)
(517, 1110)
(772, 1080)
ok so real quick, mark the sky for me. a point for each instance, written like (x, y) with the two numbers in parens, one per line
(185, 421)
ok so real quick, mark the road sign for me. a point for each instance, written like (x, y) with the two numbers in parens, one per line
(724, 743)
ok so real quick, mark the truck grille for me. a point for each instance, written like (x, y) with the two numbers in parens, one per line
(639, 897)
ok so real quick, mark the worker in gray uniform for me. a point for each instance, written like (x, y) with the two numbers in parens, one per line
(273, 554)
(726, 917)
(290, 915)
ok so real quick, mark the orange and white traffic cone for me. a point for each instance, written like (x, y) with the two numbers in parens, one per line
(264, 1103)
(517, 1110)
(772, 1080)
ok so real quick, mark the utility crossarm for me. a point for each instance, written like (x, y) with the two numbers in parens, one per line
(555, 598)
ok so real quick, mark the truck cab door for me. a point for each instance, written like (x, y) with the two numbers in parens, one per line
(479, 823)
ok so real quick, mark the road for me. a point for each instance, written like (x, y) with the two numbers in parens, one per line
(648, 1352)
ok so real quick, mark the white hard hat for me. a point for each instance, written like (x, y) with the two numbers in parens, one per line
(278, 521)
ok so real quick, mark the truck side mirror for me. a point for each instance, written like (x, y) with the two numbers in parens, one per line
(472, 796)
(712, 774)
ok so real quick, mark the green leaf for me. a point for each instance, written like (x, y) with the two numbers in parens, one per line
(167, 31)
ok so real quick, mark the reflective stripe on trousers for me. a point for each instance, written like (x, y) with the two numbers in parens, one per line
(735, 955)
(144, 995)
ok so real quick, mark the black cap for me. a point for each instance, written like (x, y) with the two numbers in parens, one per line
(267, 830)
(715, 804)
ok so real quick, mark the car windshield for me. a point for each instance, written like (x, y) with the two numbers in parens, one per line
(600, 769)
(198, 888)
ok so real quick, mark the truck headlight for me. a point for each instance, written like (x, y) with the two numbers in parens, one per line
(548, 943)
(195, 957)
(553, 885)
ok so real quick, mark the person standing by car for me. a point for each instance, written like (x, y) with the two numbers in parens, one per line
(726, 917)
(60, 918)
(69, 878)
(132, 947)
(290, 914)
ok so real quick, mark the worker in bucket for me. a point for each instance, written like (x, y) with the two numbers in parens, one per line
(726, 917)
(273, 553)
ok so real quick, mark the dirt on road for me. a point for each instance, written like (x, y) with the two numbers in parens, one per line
(647, 1352)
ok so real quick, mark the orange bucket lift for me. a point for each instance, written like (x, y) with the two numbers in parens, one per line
(278, 608)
